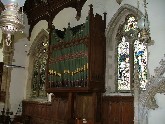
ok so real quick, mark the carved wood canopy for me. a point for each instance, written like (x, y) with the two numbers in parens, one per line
(1, 7)
(37, 10)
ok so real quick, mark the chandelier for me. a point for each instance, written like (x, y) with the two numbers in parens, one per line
(11, 21)
(143, 25)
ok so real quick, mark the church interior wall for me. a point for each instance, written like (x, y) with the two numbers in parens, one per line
(156, 51)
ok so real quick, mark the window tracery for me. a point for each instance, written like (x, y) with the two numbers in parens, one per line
(39, 70)
(128, 36)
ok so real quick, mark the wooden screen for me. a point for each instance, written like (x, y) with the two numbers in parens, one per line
(118, 110)
(2, 93)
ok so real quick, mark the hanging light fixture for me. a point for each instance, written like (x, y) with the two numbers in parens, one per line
(11, 20)
(143, 25)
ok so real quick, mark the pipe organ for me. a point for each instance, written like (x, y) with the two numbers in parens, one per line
(76, 57)
(75, 74)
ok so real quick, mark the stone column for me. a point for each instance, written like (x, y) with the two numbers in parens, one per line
(136, 95)
(8, 53)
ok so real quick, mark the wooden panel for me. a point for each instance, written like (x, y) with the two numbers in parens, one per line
(2, 96)
(118, 110)
(97, 47)
(127, 112)
(84, 106)
(1, 73)
(46, 113)
(88, 107)
(2, 93)
(115, 110)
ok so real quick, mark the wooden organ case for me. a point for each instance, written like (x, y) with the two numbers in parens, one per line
(76, 68)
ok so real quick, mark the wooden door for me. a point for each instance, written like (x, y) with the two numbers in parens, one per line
(88, 107)
(118, 110)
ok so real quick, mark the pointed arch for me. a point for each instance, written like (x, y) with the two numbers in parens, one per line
(117, 19)
(112, 42)
(35, 51)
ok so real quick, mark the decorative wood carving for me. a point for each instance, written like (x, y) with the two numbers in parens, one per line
(48, 9)
(2, 7)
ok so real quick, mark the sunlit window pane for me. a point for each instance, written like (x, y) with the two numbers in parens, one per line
(140, 58)
(123, 66)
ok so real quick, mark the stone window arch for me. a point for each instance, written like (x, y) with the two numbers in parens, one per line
(37, 66)
(112, 40)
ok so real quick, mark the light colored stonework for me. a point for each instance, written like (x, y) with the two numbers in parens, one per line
(156, 84)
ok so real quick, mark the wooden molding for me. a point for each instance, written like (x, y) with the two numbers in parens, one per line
(47, 10)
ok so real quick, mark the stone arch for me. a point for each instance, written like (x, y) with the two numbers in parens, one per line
(111, 43)
(36, 45)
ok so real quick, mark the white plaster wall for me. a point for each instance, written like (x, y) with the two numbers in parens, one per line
(18, 75)
(156, 17)
(157, 116)
(68, 15)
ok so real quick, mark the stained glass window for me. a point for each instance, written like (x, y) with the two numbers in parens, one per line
(124, 62)
(123, 66)
(39, 71)
(131, 24)
(140, 55)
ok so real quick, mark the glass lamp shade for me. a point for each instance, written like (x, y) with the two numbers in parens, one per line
(19, 2)
(143, 23)
(6, 2)
(11, 20)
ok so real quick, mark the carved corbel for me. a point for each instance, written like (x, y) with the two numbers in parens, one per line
(119, 1)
